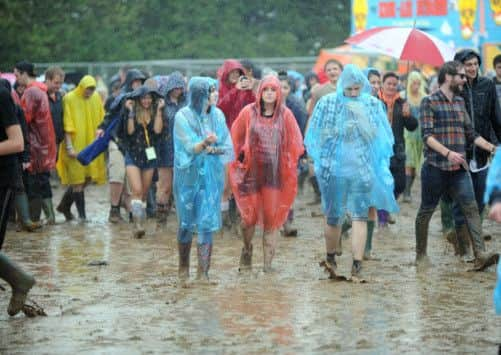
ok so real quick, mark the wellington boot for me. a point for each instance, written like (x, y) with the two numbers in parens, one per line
(48, 210)
(79, 199)
(22, 209)
(64, 206)
(20, 282)
(162, 213)
(35, 206)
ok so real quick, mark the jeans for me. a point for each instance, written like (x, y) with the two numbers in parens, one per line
(478, 180)
(456, 184)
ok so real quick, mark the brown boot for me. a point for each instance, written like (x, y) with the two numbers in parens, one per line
(463, 238)
(451, 238)
(246, 259)
(20, 282)
(184, 250)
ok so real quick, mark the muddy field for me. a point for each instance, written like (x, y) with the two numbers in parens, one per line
(135, 305)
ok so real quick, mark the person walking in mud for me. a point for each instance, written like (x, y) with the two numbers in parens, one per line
(351, 142)
(82, 113)
(268, 144)
(446, 130)
(175, 99)
(143, 125)
(42, 142)
(203, 147)
(11, 143)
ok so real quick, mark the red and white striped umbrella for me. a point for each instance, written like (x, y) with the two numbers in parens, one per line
(405, 43)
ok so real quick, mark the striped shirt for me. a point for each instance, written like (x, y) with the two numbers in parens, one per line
(448, 122)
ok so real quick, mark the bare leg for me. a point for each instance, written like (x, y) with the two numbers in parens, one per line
(332, 237)
(358, 240)
(269, 247)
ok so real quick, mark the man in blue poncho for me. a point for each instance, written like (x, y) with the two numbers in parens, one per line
(203, 146)
(351, 142)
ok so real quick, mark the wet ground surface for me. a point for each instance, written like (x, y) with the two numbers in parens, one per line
(135, 305)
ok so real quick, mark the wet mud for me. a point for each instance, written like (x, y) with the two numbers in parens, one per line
(105, 292)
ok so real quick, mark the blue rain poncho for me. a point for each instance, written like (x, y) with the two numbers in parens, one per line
(351, 142)
(199, 178)
(493, 184)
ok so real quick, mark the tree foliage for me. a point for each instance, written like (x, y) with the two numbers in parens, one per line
(121, 30)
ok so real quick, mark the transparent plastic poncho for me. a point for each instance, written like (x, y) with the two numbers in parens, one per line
(264, 176)
(199, 178)
(351, 142)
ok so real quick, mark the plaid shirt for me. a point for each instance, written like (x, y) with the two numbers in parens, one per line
(448, 122)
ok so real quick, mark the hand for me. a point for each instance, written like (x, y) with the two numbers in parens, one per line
(99, 133)
(406, 109)
(210, 139)
(129, 105)
(161, 104)
(72, 153)
(457, 158)
(495, 212)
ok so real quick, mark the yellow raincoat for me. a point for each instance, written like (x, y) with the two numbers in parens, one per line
(81, 118)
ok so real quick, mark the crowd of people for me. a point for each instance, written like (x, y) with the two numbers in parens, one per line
(234, 149)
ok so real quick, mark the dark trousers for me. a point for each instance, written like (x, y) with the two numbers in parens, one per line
(479, 180)
(6, 196)
(37, 185)
(398, 172)
(457, 184)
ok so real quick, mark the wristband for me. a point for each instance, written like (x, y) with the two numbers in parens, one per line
(447, 155)
(131, 114)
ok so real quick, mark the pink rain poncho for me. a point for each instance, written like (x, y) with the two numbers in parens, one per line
(264, 176)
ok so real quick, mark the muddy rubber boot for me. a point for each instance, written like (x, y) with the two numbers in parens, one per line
(184, 250)
(79, 199)
(64, 206)
(162, 213)
(204, 253)
(35, 206)
(368, 243)
(48, 210)
(462, 242)
(422, 223)
(345, 227)
(408, 186)
(23, 211)
(452, 238)
(20, 282)
(246, 259)
(114, 216)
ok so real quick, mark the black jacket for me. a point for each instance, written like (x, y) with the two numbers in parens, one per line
(486, 114)
(56, 110)
(399, 123)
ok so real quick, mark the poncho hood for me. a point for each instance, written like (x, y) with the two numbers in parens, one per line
(350, 76)
(175, 81)
(132, 74)
(198, 94)
(86, 82)
(142, 91)
(228, 66)
(267, 82)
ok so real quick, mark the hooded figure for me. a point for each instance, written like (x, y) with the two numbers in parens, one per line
(41, 135)
(199, 172)
(82, 117)
(264, 176)
(232, 100)
(350, 142)
(166, 148)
